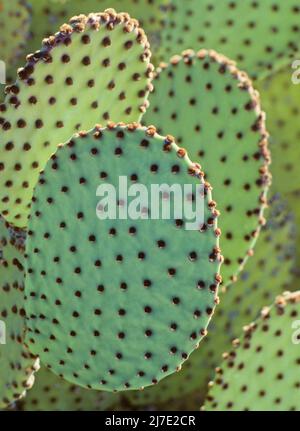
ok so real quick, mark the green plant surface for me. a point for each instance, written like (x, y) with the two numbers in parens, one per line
(280, 99)
(117, 304)
(260, 373)
(261, 36)
(14, 24)
(293, 200)
(17, 364)
(94, 70)
(15, 20)
(214, 112)
(51, 393)
(267, 274)
(48, 15)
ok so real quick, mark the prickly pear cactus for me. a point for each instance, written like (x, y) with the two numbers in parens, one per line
(51, 393)
(214, 112)
(48, 15)
(17, 364)
(261, 370)
(94, 70)
(293, 200)
(122, 305)
(261, 36)
(14, 24)
(266, 275)
(280, 97)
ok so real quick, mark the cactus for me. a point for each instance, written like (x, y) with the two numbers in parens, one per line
(261, 370)
(14, 24)
(235, 157)
(137, 302)
(275, 257)
(66, 72)
(123, 304)
(52, 393)
(261, 35)
(48, 15)
(281, 100)
(17, 363)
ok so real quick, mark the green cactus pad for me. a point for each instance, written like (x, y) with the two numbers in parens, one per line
(14, 24)
(266, 275)
(48, 15)
(280, 98)
(17, 364)
(51, 393)
(94, 70)
(117, 304)
(293, 200)
(215, 114)
(261, 35)
(261, 372)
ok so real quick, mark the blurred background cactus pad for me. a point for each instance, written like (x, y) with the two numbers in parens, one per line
(149, 205)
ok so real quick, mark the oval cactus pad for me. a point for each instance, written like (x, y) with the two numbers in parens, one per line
(17, 364)
(261, 35)
(94, 70)
(261, 372)
(117, 304)
(214, 112)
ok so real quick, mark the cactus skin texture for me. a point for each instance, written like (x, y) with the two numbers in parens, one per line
(261, 36)
(48, 15)
(206, 92)
(280, 99)
(17, 363)
(15, 20)
(135, 296)
(267, 274)
(95, 69)
(293, 200)
(14, 24)
(51, 393)
(261, 371)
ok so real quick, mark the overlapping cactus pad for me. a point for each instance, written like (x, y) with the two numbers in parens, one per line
(261, 370)
(149, 155)
(117, 304)
(17, 363)
(281, 97)
(48, 15)
(95, 69)
(268, 273)
(14, 24)
(260, 35)
(214, 112)
(294, 203)
(53, 393)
